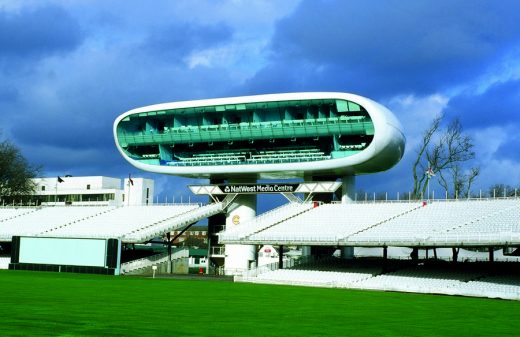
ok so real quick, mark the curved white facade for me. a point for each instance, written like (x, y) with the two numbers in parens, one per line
(384, 150)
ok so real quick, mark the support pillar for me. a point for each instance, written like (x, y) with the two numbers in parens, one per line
(169, 266)
(415, 254)
(385, 259)
(280, 257)
(306, 253)
(306, 250)
(491, 254)
(216, 223)
(348, 189)
(238, 257)
(455, 252)
(347, 253)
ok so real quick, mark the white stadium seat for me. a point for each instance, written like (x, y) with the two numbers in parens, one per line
(438, 223)
(131, 223)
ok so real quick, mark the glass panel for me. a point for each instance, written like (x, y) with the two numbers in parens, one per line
(353, 107)
(341, 105)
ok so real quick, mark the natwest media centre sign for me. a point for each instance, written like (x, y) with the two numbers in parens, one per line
(258, 188)
(309, 187)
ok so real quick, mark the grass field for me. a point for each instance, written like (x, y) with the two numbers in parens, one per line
(35, 303)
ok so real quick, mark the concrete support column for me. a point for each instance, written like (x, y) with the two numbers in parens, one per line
(306, 253)
(385, 259)
(348, 189)
(347, 253)
(415, 254)
(280, 257)
(238, 257)
(216, 223)
(169, 267)
(306, 250)
(455, 252)
(491, 254)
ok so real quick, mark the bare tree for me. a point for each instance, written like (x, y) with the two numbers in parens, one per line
(419, 167)
(446, 156)
(15, 173)
(459, 179)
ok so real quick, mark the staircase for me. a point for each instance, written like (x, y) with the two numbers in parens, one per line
(140, 265)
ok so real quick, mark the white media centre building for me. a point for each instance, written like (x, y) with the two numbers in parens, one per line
(93, 190)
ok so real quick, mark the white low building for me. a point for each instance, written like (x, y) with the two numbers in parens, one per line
(93, 190)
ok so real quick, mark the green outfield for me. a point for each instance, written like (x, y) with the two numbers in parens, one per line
(33, 303)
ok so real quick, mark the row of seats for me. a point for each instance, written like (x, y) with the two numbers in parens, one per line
(8, 212)
(401, 223)
(181, 220)
(120, 221)
(314, 278)
(44, 219)
(332, 222)
(420, 279)
(435, 220)
(139, 223)
(264, 220)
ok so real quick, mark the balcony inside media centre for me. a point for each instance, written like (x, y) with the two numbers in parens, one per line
(251, 133)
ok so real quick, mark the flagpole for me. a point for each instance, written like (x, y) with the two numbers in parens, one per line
(128, 196)
(56, 192)
(128, 183)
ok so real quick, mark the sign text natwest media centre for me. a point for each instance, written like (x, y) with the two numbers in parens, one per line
(258, 188)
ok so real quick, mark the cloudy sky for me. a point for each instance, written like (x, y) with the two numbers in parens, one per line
(69, 68)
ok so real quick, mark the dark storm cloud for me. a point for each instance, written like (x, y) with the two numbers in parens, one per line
(510, 148)
(67, 70)
(176, 41)
(37, 32)
(498, 106)
(388, 47)
(84, 102)
(68, 133)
